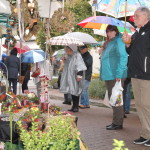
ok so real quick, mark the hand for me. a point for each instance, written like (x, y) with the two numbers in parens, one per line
(118, 79)
(78, 79)
(101, 50)
(126, 39)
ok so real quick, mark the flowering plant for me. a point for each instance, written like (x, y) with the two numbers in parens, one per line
(32, 97)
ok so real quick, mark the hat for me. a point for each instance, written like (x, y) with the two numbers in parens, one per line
(84, 46)
(3, 56)
(73, 47)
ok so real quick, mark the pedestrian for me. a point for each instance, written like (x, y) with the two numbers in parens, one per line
(2, 64)
(13, 65)
(113, 69)
(67, 97)
(88, 60)
(139, 70)
(73, 75)
(25, 71)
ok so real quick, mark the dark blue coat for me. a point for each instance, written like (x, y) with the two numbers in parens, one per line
(13, 65)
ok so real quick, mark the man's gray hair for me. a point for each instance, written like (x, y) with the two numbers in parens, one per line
(145, 10)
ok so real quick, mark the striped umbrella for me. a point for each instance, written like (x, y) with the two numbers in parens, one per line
(65, 40)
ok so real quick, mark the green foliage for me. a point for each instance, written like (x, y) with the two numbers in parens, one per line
(41, 38)
(60, 135)
(119, 145)
(97, 89)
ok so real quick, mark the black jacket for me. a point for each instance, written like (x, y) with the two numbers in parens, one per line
(139, 54)
(25, 70)
(13, 65)
(88, 60)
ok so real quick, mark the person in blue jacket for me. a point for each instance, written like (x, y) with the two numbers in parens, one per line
(114, 68)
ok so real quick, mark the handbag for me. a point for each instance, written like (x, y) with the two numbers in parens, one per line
(21, 79)
(37, 72)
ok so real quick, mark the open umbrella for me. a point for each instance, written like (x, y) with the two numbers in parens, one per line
(40, 51)
(83, 37)
(22, 50)
(65, 40)
(102, 30)
(31, 57)
(101, 22)
(119, 8)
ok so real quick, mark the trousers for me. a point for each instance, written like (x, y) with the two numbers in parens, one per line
(118, 112)
(141, 90)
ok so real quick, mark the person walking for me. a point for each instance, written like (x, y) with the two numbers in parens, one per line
(139, 70)
(73, 75)
(25, 71)
(113, 69)
(88, 60)
(13, 65)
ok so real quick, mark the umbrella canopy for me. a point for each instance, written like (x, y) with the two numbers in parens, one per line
(102, 30)
(116, 8)
(31, 57)
(59, 54)
(101, 22)
(23, 49)
(65, 40)
(83, 37)
(40, 51)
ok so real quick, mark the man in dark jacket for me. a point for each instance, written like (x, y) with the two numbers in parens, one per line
(88, 60)
(139, 70)
(13, 64)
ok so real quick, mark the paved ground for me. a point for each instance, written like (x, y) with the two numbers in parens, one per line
(92, 124)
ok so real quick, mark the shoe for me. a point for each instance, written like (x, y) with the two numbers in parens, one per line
(141, 140)
(108, 125)
(125, 116)
(82, 106)
(68, 103)
(71, 109)
(147, 143)
(75, 110)
(114, 127)
(87, 106)
(127, 112)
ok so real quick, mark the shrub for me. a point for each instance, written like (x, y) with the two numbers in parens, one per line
(97, 89)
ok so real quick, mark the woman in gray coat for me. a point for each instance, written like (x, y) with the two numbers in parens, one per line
(13, 64)
(73, 75)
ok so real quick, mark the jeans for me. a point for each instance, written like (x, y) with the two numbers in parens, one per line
(84, 94)
(128, 99)
(14, 84)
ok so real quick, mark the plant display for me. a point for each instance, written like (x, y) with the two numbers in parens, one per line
(58, 133)
(119, 145)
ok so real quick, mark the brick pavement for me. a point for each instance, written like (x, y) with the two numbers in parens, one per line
(92, 123)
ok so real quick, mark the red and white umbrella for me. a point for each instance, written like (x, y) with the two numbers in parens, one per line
(24, 48)
(65, 40)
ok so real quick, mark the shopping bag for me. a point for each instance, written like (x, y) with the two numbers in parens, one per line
(116, 98)
(21, 79)
(106, 100)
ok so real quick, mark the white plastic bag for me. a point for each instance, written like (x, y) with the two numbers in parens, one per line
(116, 98)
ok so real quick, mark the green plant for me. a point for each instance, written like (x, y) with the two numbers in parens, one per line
(58, 135)
(119, 145)
(97, 89)
(41, 38)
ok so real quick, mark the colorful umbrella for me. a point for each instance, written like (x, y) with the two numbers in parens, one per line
(117, 9)
(101, 22)
(83, 37)
(65, 40)
(31, 57)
